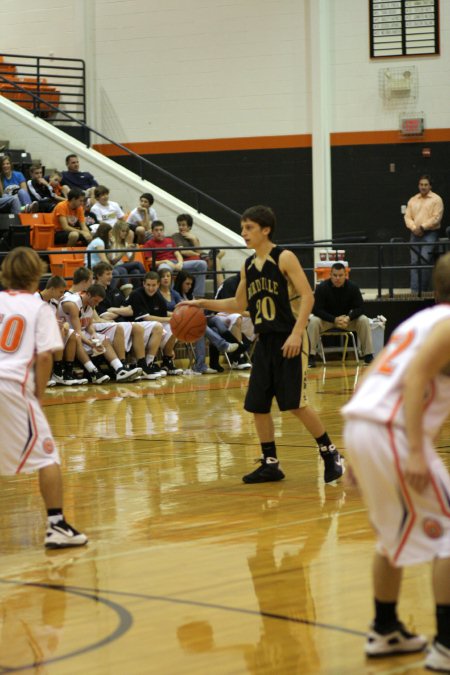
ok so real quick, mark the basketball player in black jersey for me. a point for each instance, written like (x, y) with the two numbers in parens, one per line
(279, 298)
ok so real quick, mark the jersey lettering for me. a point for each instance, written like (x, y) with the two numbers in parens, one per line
(387, 365)
(11, 333)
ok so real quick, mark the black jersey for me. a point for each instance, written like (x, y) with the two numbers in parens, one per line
(268, 298)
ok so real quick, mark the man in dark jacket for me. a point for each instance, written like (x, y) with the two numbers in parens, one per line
(338, 303)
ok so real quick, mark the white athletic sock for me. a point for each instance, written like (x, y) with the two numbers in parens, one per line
(90, 367)
(117, 364)
(149, 359)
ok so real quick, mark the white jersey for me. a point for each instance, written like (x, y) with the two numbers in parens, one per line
(27, 327)
(380, 396)
(86, 313)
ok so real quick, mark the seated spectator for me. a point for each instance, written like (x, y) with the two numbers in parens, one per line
(170, 295)
(192, 260)
(185, 238)
(142, 217)
(41, 190)
(73, 178)
(338, 303)
(123, 262)
(148, 304)
(184, 287)
(173, 260)
(105, 210)
(9, 203)
(232, 326)
(78, 310)
(69, 222)
(145, 335)
(63, 359)
(54, 180)
(14, 184)
(98, 245)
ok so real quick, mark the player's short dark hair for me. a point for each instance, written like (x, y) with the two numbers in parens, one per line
(81, 274)
(100, 268)
(157, 223)
(101, 190)
(21, 268)
(75, 193)
(96, 290)
(34, 167)
(186, 217)
(337, 266)
(72, 154)
(152, 275)
(56, 282)
(263, 215)
(426, 176)
(149, 197)
(441, 278)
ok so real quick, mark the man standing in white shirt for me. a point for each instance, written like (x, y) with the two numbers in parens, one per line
(29, 334)
(423, 218)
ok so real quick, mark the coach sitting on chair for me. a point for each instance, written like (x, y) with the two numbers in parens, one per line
(339, 304)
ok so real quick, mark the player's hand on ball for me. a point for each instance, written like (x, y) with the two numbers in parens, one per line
(417, 472)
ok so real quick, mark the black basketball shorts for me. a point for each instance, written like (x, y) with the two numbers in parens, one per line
(275, 376)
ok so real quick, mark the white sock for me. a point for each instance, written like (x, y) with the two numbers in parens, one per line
(117, 364)
(55, 519)
(90, 367)
(149, 359)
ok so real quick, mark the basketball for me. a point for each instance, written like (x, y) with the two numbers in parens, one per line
(188, 323)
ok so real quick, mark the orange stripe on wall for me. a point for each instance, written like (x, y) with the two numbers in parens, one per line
(272, 142)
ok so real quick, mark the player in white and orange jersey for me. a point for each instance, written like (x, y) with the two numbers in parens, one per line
(391, 423)
(29, 334)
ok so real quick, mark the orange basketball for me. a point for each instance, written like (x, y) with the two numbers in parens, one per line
(188, 323)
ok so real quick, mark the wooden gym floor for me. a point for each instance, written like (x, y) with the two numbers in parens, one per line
(188, 570)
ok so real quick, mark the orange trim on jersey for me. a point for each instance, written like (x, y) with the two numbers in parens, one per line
(444, 509)
(412, 514)
(32, 442)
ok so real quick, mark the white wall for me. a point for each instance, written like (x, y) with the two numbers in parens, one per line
(187, 69)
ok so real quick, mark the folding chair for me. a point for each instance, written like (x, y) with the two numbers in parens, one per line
(345, 336)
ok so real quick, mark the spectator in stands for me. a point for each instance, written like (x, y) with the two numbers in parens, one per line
(338, 303)
(98, 245)
(14, 184)
(148, 304)
(63, 359)
(193, 261)
(145, 335)
(69, 222)
(232, 326)
(54, 180)
(123, 261)
(9, 203)
(173, 260)
(41, 191)
(184, 286)
(105, 210)
(73, 178)
(142, 217)
(423, 218)
(170, 295)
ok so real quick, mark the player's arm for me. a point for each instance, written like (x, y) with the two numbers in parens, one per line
(235, 305)
(432, 358)
(292, 269)
(43, 365)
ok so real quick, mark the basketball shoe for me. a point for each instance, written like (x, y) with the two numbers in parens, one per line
(63, 535)
(268, 471)
(125, 374)
(169, 366)
(438, 658)
(151, 372)
(334, 463)
(96, 377)
(397, 641)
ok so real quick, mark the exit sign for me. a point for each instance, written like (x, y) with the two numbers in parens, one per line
(411, 126)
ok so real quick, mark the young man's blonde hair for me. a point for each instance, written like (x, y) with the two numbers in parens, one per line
(22, 269)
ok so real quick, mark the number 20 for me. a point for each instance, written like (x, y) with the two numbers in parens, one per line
(266, 307)
(11, 333)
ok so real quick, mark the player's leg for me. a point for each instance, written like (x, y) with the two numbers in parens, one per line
(269, 469)
(153, 333)
(70, 350)
(59, 533)
(439, 657)
(94, 375)
(121, 373)
(387, 635)
(168, 344)
(333, 464)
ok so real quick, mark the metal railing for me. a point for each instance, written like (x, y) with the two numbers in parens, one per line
(389, 269)
(60, 81)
